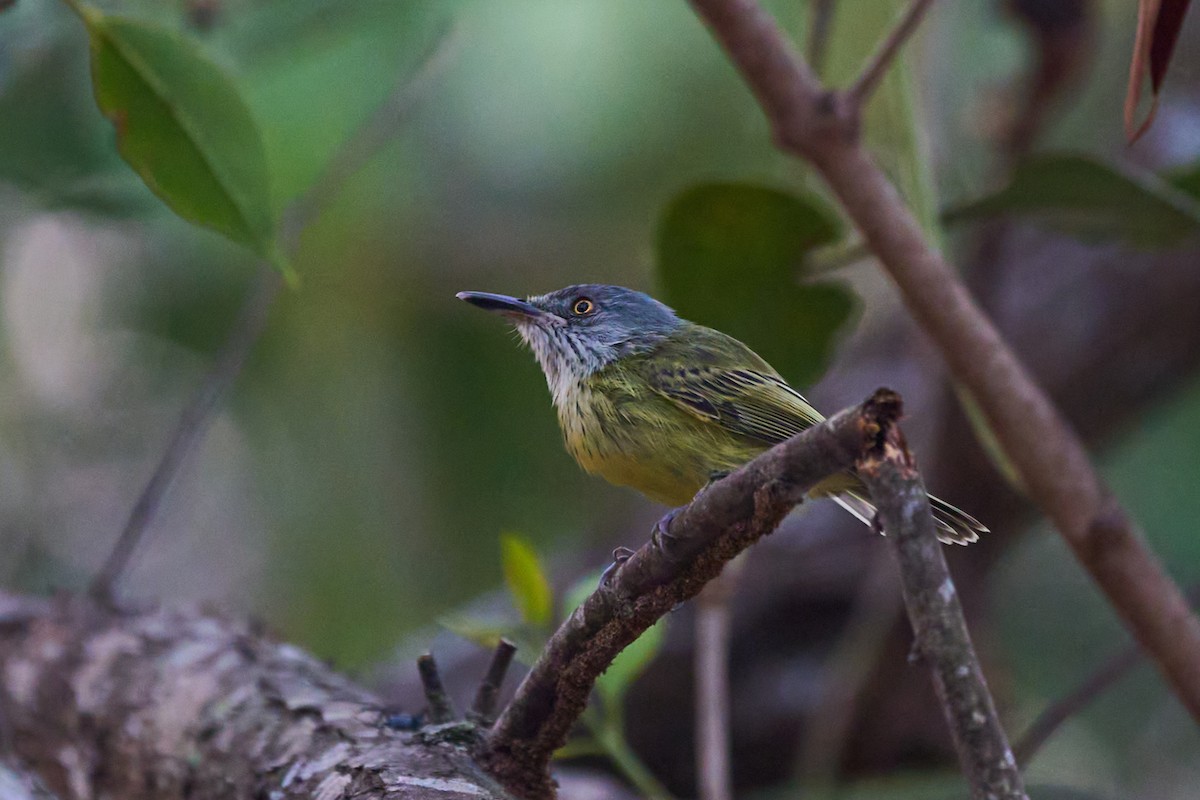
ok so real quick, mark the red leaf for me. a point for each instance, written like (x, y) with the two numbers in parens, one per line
(1159, 23)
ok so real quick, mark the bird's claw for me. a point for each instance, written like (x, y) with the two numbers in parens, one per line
(619, 555)
(661, 537)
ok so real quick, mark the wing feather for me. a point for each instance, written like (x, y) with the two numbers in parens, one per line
(727, 384)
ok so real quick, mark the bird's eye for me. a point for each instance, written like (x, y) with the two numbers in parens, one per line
(583, 307)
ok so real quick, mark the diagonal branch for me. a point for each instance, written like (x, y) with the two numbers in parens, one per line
(942, 640)
(1045, 450)
(1047, 723)
(721, 522)
(193, 423)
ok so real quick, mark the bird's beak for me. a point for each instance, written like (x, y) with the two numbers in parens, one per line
(502, 304)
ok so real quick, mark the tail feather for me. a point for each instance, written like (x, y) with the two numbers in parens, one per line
(954, 526)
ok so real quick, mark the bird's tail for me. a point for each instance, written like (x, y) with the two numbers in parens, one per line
(954, 526)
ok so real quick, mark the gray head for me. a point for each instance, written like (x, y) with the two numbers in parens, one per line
(580, 329)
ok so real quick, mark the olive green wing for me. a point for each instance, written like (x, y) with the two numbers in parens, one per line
(720, 380)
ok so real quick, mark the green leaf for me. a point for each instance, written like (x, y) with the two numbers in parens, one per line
(1092, 200)
(526, 581)
(987, 437)
(182, 125)
(485, 633)
(730, 256)
(580, 747)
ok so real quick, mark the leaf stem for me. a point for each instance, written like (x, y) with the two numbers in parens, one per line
(612, 740)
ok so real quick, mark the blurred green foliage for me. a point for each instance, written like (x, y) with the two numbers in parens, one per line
(183, 126)
(1056, 628)
(383, 436)
(1092, 200)
(603, 724)
(732, 257)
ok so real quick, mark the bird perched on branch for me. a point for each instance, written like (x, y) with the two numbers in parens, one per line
(651, 401)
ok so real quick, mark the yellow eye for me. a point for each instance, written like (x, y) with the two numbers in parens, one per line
(583, 306)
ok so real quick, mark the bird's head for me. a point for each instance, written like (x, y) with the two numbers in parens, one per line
(580, 329)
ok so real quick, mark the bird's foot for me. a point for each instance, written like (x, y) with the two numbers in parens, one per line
(661, 537)
(620, 555)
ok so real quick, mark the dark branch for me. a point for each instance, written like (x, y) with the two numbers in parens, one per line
(483, 710)
(1047, 453)
(941, 637)
(441, 708)
(818, 32)
(723, 520)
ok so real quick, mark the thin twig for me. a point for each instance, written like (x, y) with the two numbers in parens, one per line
(483, 710)
(441, 708)
(1108, 674)
(1045, 450)
(876, 608)
(196, 417)
(872, 75)
(818, 33)
(941, 637)
(1079, 698)
(372, 135)
(355, 151)
(723, 520)
(714, 771)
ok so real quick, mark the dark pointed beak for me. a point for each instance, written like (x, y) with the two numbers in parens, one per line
(501, 304)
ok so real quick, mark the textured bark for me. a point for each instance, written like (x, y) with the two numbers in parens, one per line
(185, 703)
(941, 637)
(724, 519)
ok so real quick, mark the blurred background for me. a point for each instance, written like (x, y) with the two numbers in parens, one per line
(353, 488)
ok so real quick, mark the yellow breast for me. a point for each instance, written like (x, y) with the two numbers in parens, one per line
(649, 444)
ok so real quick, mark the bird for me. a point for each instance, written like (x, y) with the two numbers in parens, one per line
(649, 400)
